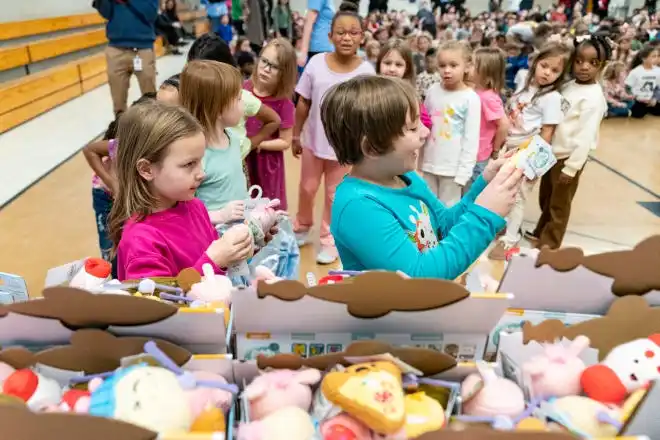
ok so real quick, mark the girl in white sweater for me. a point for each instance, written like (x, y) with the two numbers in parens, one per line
(574, 138)
(451, 149)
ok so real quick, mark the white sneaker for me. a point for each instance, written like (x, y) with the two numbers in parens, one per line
(302, 238)
(327, 255)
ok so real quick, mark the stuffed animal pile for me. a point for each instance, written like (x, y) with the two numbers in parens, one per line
(381, 399)
(162, 398)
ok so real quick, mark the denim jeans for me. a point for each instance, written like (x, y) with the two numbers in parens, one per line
(102, 203)
(620, 111)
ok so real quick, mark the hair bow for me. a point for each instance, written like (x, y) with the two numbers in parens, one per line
(581, 38)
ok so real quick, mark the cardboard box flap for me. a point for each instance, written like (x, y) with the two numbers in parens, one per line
(629, 318)
(565, 280)
(91, 351)
(376, 302)
(429, 362)
(76, 308)
(373, 294)
(474, 433)
(51, 320)
(645, 420)
(23, 424)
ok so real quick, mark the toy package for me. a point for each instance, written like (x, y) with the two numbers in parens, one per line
(535, 158)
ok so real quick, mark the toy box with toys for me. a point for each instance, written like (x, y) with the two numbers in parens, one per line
(115, 387)
(289, 317)
(190, 310)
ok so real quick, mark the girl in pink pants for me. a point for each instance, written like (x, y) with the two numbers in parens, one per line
(323, 71)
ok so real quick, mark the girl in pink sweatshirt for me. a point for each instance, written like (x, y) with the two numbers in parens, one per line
(158, 224)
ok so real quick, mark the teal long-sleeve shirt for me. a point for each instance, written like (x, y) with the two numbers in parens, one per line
(409, 229)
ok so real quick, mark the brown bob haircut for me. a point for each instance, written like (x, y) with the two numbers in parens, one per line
(364, 115)
(398, 45)
(207, 89)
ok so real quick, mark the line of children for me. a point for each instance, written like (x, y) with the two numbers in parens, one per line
(309, 140)
(573, 140)
(536, 109)
(450, 153)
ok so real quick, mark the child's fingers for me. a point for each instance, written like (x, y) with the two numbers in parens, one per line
(513, 180)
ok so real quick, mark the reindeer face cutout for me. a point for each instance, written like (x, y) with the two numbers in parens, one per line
(423, 236)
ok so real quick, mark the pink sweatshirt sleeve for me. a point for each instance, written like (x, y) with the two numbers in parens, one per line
(424, 116)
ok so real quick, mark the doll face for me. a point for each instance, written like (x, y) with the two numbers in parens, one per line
(152, 397)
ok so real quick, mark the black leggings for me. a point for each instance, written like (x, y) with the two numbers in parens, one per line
(640, 109)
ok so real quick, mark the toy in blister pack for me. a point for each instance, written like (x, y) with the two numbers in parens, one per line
(12, 289)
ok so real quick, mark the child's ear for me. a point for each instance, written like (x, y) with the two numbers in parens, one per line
(145, 169)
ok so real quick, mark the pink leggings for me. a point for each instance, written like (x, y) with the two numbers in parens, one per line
(312, 169)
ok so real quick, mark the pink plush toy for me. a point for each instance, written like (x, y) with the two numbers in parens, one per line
(201, 397)
(276, 389)
(286, 423)
(345, 427)
(556, 373)
(212, 288)
(262, 218)
(488, 395)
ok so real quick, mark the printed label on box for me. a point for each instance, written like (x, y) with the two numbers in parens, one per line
(13, 289)
(463, 347)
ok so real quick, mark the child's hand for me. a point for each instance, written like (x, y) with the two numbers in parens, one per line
(499, 196)
(234, 211)
(235, 245)
(494, 165)
(296, 148)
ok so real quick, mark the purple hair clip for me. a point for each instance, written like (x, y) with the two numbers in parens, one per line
(186, 378)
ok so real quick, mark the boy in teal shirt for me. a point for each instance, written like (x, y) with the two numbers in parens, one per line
(384, 216)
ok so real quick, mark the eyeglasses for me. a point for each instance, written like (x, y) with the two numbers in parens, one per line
(269, 64)
(353, 33)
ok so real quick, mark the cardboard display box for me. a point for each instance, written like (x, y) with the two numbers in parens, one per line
(51, 320)
(94, 351)
(288, 317)
(567, 281)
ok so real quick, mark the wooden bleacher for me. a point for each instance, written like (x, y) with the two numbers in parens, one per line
(27, 97)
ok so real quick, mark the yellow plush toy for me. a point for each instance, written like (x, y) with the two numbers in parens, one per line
(423, 414)
(371, 392)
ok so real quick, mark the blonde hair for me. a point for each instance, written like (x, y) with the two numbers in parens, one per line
(145, 131)
(398, 45)
(613, 69)
(490, 67)
(288, 69)
(364, 115)
(207, 89)
(459, 46)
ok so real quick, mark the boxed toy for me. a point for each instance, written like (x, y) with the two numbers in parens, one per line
(12, 289)
(567, 281)
(288, 317)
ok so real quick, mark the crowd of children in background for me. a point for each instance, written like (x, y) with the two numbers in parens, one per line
(482, 86)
